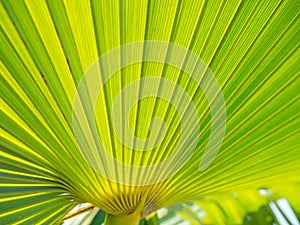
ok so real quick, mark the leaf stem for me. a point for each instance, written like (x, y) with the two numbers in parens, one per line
(132, 218)
(79, 211)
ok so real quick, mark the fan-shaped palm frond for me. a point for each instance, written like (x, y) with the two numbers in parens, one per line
(238, 59)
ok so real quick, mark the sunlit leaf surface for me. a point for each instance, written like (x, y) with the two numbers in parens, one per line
(251, 47)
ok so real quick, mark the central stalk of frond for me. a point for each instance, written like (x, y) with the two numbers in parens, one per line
(126, 219)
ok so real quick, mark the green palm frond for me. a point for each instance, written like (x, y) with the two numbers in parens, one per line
(251, 48)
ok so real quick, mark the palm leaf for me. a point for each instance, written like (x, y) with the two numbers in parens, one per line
(251, 47)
